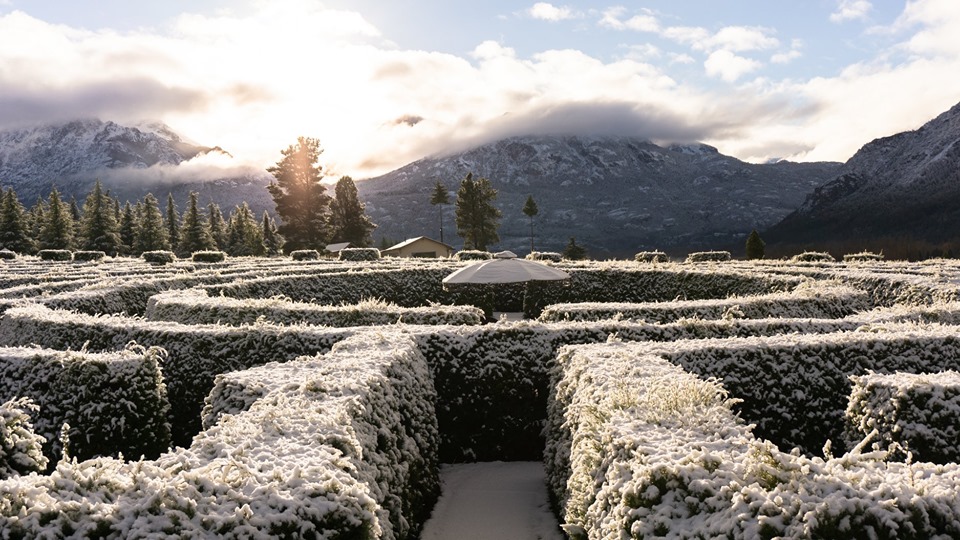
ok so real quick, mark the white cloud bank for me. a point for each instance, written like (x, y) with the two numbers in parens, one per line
(546, 11)
(252, 82)
(850, 10)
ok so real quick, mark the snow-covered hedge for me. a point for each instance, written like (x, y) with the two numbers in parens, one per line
(195, 306)
(639, 449)
(159, 257)
(7, 255)
(812, 300)
(305, 255)
(472, 255)
(208, 256)
(651, 257)
(21, 449)
(359, 254)
(551, 256)
(88, 256)
(112, 402)
(708, 256)
(195, 354)
(55, 255)
(863, 256)
(912, 413)
(813, 256)
(347, 452)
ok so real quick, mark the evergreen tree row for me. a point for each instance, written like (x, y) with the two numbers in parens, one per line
(103, 225)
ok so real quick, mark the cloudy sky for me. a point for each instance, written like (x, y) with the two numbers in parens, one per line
(382, 83)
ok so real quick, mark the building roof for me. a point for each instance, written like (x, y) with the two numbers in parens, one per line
(409, 241)
(335, 248)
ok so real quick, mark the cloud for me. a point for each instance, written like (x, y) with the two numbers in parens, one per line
(848, 10)
(728, 66)
(546, 11)
(645, 22)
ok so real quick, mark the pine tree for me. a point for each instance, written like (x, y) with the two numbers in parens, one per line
(37, 217)
(246, 237)
(172, 222)
(440, 197)
(530, 210)
(477, 218)
(755, 246)
(128, 230)
(218, 227)
(194, 232)
(574, 252)
(57, 230)
(348, 222)
(301, 200)
(99, 230)
(15, 233)
(152, 233)
(272, 240)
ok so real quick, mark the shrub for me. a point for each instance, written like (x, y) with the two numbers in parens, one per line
(472, 255)
(208, 256)
(551, 256)
(88, 256)
(708, 256)
(813, 256)
(21, 450)
(159, 257)
(55, 255)
(7, 255)
(863, 256)
(305, 255)
(911, 413)
(651, 257)
(359, 254)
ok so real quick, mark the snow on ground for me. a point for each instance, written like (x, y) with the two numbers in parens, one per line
(493, 501)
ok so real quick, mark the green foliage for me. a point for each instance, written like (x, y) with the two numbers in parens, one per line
(272, 240)
(755, 246)
(301, 200)
(477, 218)
(218, 227)
(57, 230)
(574, 252)
(99, 230)
(172, 222)
(194, 232)
(348, 222)
(530, 210)
(15, 233)
(128, 229)
(152, 235)
(245, 235)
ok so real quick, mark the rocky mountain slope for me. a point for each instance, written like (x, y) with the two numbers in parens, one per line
(130, 160)
(616, 195)
(900, 188)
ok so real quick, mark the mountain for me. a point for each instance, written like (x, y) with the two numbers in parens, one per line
(130, 160)
(895, 190)
(616, 195)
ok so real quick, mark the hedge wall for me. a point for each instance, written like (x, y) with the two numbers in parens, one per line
(907, 413)
(195, 306)
(639, 449)
(113, 402)
(348, 453)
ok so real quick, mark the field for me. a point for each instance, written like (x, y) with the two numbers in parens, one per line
(265, 398)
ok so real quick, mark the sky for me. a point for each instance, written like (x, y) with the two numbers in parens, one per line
(382, 83)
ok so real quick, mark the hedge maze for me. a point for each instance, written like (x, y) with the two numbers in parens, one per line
(316, 398)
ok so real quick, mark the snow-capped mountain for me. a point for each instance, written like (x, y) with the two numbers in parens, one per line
(616, 195)
(130, 160)
(905, 187)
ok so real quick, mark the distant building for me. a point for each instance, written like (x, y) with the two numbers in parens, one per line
(334, 249)
(420, 246)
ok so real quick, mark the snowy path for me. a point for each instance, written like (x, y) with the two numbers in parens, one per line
(493, 501)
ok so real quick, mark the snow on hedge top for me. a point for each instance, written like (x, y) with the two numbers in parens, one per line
(195, 306)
